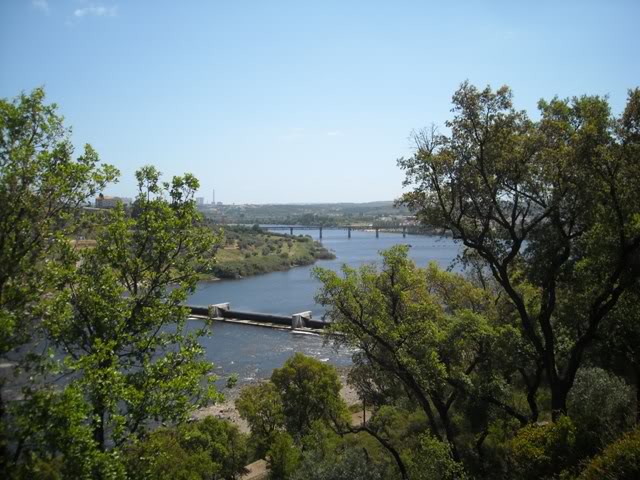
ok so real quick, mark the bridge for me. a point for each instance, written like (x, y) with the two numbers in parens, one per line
(302, 321)
(404, 229)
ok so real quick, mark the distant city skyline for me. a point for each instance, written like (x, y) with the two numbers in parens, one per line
(298, 102)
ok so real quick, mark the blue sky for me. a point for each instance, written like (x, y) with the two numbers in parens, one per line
(301, 101)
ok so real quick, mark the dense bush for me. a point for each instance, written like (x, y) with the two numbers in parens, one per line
(283, 457)
(432, 459)
(348, 463)
(543, 451)
(601, 406)
(210, 448)
(619, 461)
(310, 391)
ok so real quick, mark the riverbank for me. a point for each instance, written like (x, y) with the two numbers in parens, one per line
(252, 251)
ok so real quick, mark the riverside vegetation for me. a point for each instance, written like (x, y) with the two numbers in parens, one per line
(253, 251)
(526, 365)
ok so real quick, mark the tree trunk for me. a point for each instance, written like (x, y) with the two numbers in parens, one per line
(637, 395)
(4, 450)
(559, 393)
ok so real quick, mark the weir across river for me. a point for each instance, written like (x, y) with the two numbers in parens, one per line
(302, 321)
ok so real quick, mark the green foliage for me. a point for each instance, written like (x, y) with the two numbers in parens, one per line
(283, 457)
(601, 406)
(619, 461)
(347, 463)
(259, 252)
(116, 322)
(543, 451)
(118, 317)
(549, 207)
(52, 430)
(261, 406)
(310, 391)
(432, 459)
(41, 191)
(421, 333)
(41, 188)
(162, 456)
(207, 449)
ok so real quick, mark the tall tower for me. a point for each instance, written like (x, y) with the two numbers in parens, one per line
(213, 196)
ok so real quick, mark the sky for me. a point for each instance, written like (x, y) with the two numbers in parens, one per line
(304, 101)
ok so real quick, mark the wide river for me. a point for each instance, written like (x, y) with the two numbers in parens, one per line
(253, 352)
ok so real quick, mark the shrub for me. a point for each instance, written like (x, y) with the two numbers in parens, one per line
(211, 448)
(542, 451)
(602, 408)
(283, 457)
(619, 461)
(433, 459)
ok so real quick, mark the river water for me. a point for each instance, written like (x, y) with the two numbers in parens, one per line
(253, 352)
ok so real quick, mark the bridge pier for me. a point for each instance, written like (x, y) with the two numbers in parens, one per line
(291, 230)
(377, 232)
(348, 232)
(321, 232)
(404, 231)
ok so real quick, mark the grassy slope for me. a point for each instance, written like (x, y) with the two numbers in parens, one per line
(249, 253)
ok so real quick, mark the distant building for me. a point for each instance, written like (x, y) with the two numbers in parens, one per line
(105, 201)
(213, 196)
(199, 201)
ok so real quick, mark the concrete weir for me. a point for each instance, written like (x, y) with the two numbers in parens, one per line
(222, 312)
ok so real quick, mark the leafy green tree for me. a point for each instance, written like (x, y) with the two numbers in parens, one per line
(53, 436)
(549, 206)
(310, 391)
(428, 330)
(41, 188)
(207, 449)
(261, 406)
(283, 457)
(432, 459)
(350, 463)
(118, 322)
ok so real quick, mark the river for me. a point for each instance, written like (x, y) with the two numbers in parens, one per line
(253, 352)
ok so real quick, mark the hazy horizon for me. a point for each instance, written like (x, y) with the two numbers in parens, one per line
(297, 103)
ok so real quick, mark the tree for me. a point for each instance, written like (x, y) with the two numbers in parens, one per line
(429, 331)
(549, 206)
(310, 391)
(207, 449)
(283, 457)
(543, 451)
(261, 406)
(41, 188)
(118, 318)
